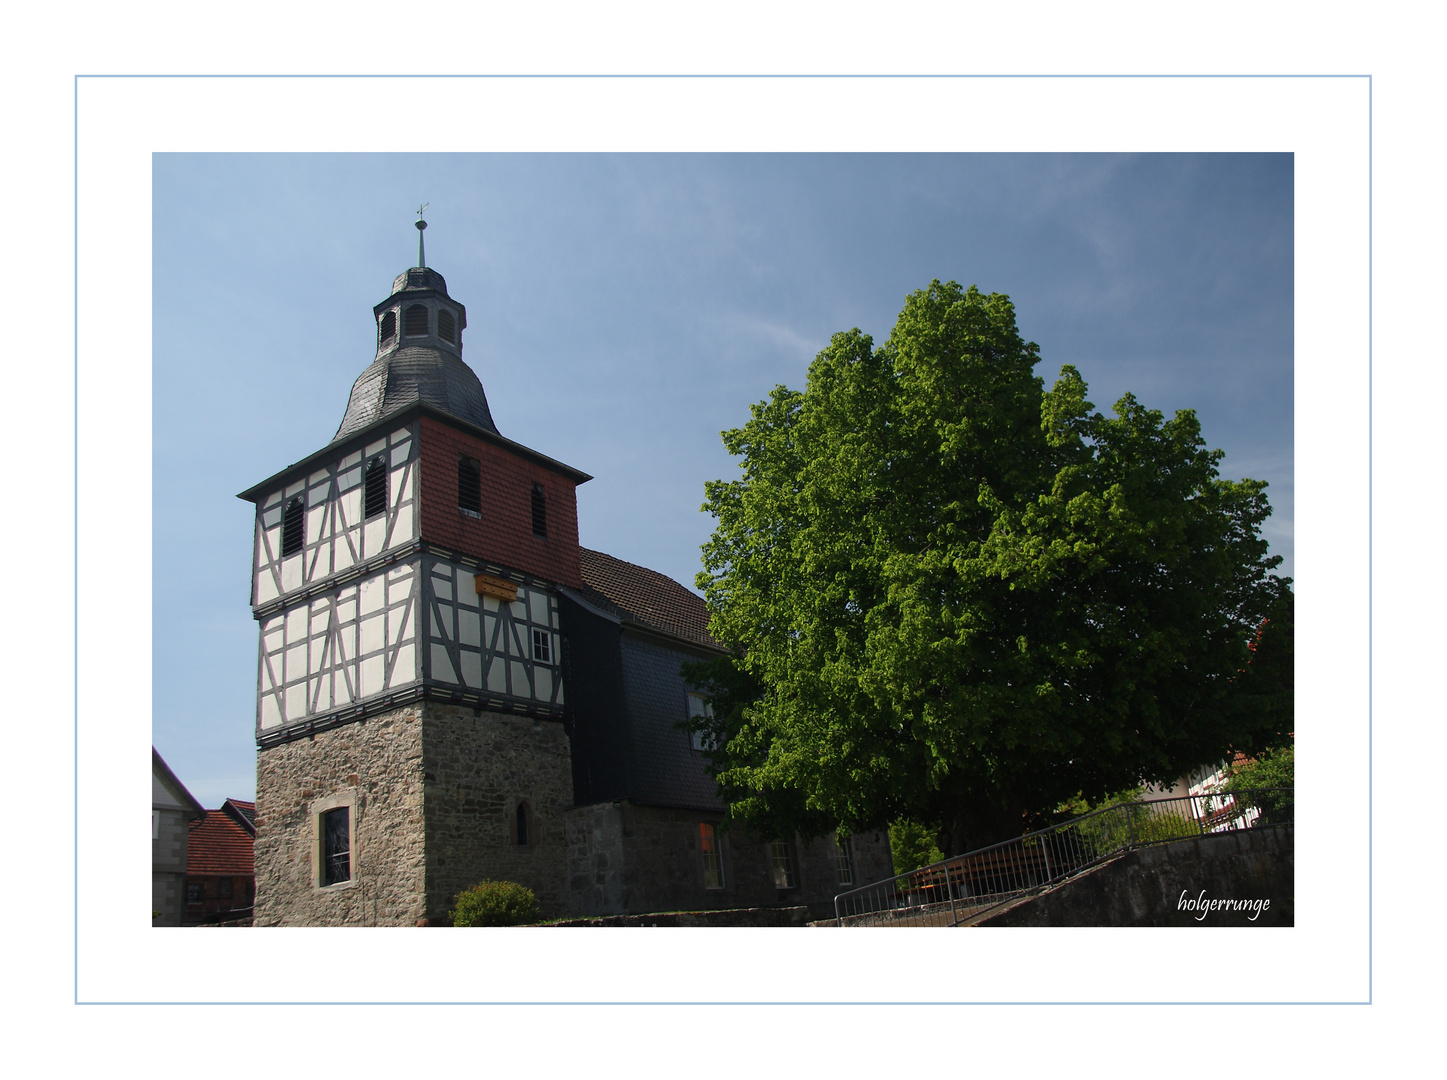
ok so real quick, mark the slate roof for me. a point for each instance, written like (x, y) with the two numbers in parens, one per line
(402, 375)
(220, 845)
(645, 596)
(410, 374)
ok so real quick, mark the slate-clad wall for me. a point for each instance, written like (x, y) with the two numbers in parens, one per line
(377, 764)
(597, 720)
(478, 766)
(666, 769)
(504, 534)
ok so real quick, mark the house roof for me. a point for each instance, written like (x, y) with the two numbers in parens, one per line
(645, 596)
(245, 809)
(220, 844)
(161, 774)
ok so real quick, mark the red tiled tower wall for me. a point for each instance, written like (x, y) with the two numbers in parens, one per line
(505, 533)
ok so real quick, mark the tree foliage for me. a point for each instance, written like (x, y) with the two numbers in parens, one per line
(956, 597)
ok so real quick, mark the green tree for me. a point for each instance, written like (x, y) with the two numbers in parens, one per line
(957, 598)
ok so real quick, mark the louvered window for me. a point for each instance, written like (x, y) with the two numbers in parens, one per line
(540, 511)
(336, 846)
(388, 327)
(416, 321)
(293, 526)
(446, 325)
(469, 486)
(376, 498)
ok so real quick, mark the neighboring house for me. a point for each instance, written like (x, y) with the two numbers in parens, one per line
(220, 878)
(451, 689)
(172, 810)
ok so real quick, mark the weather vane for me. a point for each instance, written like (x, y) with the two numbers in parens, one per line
(421, 252)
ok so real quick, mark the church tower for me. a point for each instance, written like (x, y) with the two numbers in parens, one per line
(410, 691)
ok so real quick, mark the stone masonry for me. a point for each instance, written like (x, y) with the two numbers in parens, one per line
(479, 765)
(625, 859)
(376, 763)
(433, 790)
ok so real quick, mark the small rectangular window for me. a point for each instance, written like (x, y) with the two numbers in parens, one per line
(336, 846)
(224, 888)
(713, 876)
(783, 862)
(699, 707)
(542, 647)
(193, 892)
(540, 511)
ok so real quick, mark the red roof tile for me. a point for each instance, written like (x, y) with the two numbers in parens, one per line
(646, 596)
(219, 845)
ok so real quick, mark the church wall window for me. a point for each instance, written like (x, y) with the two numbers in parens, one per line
(782, 859)
(415, 321)
(469, 486)
(334, 822)
(700, 707)
(708, 842)
(844, 864)
(540, 512)
(336, 846)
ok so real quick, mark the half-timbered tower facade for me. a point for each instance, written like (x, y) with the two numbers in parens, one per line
(410, 692)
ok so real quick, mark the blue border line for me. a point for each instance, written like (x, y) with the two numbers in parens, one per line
(75, 536)
(75, 523)
(1371, 696)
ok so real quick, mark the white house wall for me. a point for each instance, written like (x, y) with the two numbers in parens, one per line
(485, 645)
(353, 643)
(337, 536)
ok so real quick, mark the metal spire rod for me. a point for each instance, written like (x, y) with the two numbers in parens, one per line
(421, 252)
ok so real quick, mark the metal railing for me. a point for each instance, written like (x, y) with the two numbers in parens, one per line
(959, 889)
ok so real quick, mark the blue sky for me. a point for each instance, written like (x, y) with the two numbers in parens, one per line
(623, 309)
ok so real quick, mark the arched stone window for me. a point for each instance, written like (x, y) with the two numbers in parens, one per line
(446, 326)
(387, 328)
(415, 321)
(524, 827)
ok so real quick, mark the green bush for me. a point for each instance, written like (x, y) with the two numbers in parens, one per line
(495, 903)
(912, 845)
(1271, 769)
